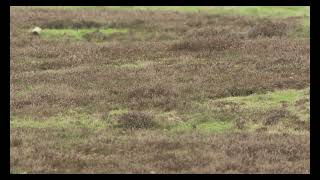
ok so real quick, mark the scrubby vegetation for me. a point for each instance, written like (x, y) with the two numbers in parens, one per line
(120, 90)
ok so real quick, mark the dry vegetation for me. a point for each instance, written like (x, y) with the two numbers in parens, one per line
(175, 93)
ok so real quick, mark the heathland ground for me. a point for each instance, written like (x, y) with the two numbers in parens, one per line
(160, 90)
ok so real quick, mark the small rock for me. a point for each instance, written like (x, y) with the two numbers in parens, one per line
(152, 172)
(36, 30)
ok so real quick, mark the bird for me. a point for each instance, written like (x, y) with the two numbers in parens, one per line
(36, 30)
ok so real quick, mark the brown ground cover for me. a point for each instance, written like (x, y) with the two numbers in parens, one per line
(169, 68)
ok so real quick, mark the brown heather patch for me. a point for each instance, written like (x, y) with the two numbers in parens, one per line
(136, 120)
(146, 151)
(267, 28)
(95, 36)
(166, 64)
(207, 43)
(274, 116)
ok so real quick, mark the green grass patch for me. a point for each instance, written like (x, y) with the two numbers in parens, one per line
(203, 122)
(215, 126)
(109, 116)
(285, 109)
(276, 99)
(257, 11)
(17, 171)
(117, 112)
(268, 100)
(71, 119)
(206, 117)
(77, 34)
(302, 29)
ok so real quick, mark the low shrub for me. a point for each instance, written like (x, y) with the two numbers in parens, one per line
(136, 120)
